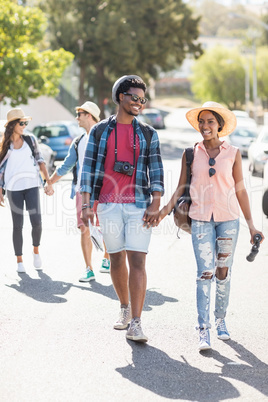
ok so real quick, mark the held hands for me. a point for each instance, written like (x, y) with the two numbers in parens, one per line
(48, 189)
(153, 218)
(150, 216)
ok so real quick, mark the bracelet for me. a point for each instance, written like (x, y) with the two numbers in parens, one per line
(85, 206)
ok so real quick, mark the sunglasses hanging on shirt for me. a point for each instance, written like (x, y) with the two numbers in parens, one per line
(211, 171)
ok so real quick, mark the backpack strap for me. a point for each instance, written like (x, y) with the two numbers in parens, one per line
(101, 127)
(76, 143)
(29, 142)
(147, 132)
(189, 153)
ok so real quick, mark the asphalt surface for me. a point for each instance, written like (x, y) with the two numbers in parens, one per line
(56, 337)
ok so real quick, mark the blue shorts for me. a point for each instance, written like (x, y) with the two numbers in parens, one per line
(122, 227)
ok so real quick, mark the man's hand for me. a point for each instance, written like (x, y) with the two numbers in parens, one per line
(86, 215)
(150, 216)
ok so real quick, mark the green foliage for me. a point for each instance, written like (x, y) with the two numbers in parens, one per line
(25, 71)
(262, 72)
(219, 75)
(117, 37)
(223, 21)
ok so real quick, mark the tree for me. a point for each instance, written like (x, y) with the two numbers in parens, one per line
(219, 75)
(119, 37)
(262, 72)
(26, 71)
(223, 21)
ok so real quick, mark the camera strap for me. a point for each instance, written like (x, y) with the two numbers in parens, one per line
(115, 141)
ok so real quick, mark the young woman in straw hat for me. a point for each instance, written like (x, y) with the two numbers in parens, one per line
(19, 175)
(217, 190)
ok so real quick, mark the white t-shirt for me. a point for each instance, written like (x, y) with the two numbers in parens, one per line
(20, 172)
(81, 154)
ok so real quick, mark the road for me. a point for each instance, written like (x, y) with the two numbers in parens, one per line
(56, 336)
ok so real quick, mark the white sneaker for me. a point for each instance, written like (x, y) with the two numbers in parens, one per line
(204, 339)
(20, 268)
(135, 332)
(124, 318)
(37, 262)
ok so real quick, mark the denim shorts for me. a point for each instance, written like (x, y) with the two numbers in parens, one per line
(122, 227)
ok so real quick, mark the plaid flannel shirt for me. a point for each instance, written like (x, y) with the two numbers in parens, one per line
(149, 173)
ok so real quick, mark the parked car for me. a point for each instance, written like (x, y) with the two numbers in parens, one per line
(155, 116)
(244, 120)
(258, 153)
(144, 119)
(48, 154)
(265, 194)
(58, 135)
(242, 137)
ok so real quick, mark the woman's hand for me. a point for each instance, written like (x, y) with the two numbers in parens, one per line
(162, 214)
(253, 232)
(48, 189)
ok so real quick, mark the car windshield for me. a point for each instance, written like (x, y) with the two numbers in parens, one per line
(51, 131)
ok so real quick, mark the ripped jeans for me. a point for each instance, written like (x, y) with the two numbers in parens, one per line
(214, 246)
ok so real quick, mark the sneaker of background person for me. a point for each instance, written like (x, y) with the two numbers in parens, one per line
(37, 262)
(135, 332)
(124, 318)
(20, 268)
(88, 276)
(105, 267)
(222, 332)
(204, 339)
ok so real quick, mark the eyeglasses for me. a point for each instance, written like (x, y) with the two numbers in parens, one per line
(136, 98)
(78, 114)
(211, 171)
(23, 123)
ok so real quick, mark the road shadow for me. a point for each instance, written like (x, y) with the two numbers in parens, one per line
(154, 370)
(153, 298)
(43, 289)
(249, 369)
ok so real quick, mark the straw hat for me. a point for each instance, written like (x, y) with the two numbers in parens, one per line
(119, 81)
(15, 114)
(228, 117)
(91, 108)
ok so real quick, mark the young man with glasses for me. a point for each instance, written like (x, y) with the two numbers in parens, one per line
(125, 173)
(87, 116)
